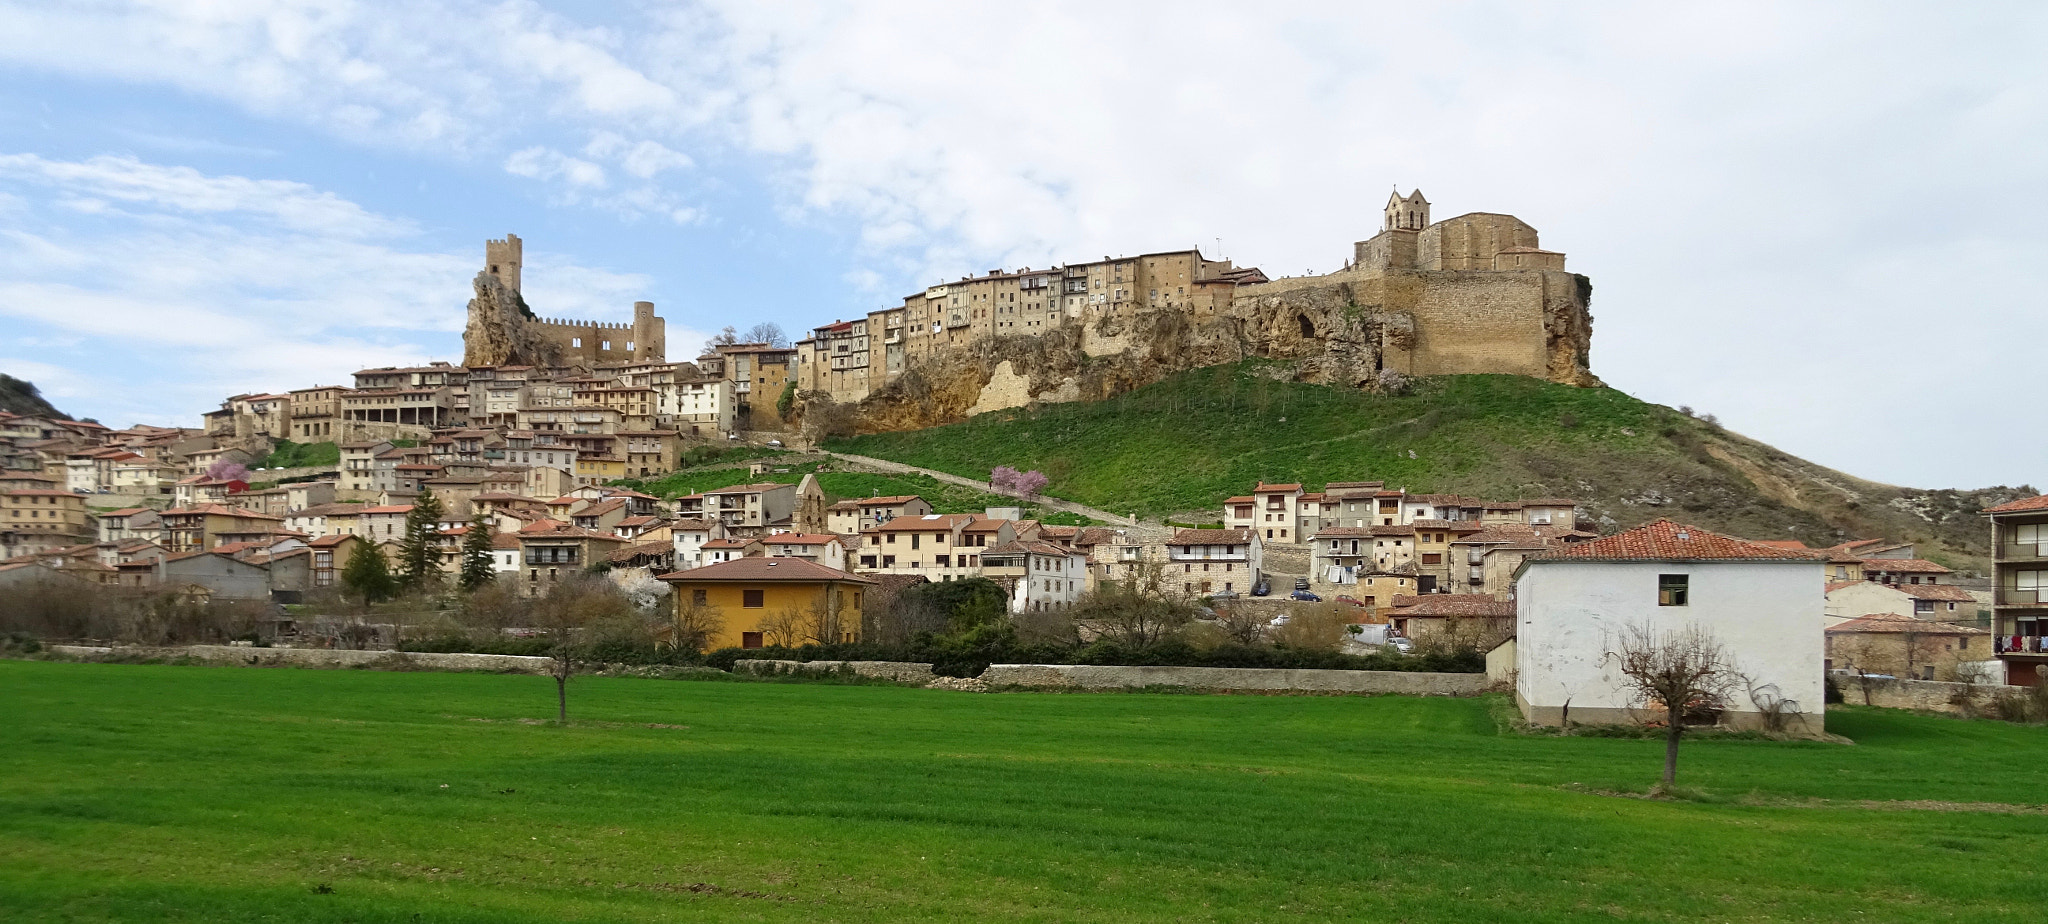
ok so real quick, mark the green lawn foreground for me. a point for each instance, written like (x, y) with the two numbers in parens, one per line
(222, 794)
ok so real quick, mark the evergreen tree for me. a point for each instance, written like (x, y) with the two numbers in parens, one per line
(419, 550)
(367, 575)
(477, 567)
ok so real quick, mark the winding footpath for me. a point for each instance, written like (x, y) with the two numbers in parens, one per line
(1054, 503)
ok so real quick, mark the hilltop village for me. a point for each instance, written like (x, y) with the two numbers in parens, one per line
(533, 453)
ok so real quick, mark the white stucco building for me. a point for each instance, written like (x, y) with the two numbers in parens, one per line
(1040, 576)
(1762, 604)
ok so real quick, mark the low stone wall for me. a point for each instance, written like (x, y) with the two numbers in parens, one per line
(1106, 677)
(317, 657)
(1927, 695)
(900, 671)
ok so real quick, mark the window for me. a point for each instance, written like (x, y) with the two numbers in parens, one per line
(750, 639)
(1922, 606)
(698, 597)
(751, 599)
(1672, 590)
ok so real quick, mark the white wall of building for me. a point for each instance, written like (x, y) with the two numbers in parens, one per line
(1767, 615)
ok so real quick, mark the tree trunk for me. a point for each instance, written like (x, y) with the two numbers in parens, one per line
(1671, 748)
(562, 699)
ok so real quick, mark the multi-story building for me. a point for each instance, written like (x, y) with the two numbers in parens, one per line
(314, 412)
(1207, 561)
(1039, 576)
(33, 521)
(206, 526)
(858, 515)
(359, 464)
(746, 509)
(2019, 581)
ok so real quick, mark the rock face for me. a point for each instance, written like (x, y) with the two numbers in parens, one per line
(501, 332)
(1341, 329)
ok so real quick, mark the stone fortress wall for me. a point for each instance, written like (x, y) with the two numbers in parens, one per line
(1471, 294)
(502, 330)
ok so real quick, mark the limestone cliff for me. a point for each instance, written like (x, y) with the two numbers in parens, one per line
(1343, 329)
(499, 331)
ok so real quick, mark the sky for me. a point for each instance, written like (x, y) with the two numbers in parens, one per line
(1820, 222)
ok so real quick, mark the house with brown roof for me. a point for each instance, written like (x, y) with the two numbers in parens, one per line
(824, 548)
(1207, 561)
(760, 602)
(549, 550)
(1946, 602)
(732, 548)
(1039, 576)
(940, 546)
(859, 515)
(204, 526)
(1475, 615)
(689, 536)
(1902, 646)
(1761, 604)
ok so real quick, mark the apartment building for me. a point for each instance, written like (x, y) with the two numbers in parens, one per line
(34, 521)
(2019, 576)
(1206, 561)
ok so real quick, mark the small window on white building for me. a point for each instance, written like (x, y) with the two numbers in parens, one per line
(1672, 590)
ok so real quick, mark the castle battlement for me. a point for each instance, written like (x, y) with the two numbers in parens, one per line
(502, 332)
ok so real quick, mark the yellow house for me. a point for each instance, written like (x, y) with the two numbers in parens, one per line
(599, 469)
(757, 602)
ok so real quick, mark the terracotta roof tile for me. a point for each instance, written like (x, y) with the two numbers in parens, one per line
(2021, 505)
(762, 570)
(1903, 566)
(1894, 623)
(1451, 605)
(1213, 537)
(1664, 540)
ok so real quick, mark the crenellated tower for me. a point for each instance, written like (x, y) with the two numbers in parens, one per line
(502, 259)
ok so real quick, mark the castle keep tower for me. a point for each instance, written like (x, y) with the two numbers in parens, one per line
(503, 330)
(502, 259)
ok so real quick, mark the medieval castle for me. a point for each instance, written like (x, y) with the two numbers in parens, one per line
(1471, 294)
(502, 330)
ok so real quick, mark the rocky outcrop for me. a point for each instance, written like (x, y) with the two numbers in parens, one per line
(501, 332)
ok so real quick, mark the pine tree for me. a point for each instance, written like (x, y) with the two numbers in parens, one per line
(367, 575)
(477, 567)
(419, 550)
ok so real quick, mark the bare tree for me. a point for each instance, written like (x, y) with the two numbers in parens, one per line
(767, 332)
(1314, 628)
(782, 628)
(1138, 611)
(1684, 671)
(697, 625)
(726, 337)
(570, 609)
(821, 623)
(1241, 624)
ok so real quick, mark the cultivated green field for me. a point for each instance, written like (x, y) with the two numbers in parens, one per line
(207, 794)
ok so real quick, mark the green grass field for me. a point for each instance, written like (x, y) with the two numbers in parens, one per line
(211, 794)
(944, 498)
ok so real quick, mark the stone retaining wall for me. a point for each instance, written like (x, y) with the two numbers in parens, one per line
(1927, 695)
(1104, 677)
(318, 657)
(900, 671)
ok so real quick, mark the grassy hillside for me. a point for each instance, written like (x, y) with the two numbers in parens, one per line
(230, 794)
(1181, 446)
(944, 498)
(287, 454)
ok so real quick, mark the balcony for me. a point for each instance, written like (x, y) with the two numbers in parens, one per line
(2020, 551)
(2016, 596)
(2019, 644)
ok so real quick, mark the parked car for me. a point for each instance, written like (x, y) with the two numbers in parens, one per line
(1305, 596)
(1224, 595)
(1261, 589)
(775, 443)
(1301, 583)
(1402, 645)
(1345, 598)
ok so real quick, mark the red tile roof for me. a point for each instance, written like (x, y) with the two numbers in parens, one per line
(1904, 566)
(1893, 623)
(1664, 540)
(1781, 543)
(1213, 537)
(1264, 488)
(763, 570)
(2023, 504)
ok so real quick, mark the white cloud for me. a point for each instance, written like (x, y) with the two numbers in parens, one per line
(1764, 194)
(542, 163)
(206, 287)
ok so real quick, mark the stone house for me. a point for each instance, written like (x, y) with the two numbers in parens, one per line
(1478, 616)
(731, 548)
(1851, 599)
(382, 523)
(550, 550)
(204, 526)
(751, 507)
(222, 576)
(857, 515)
(1574, 603)
(1902, 646)
(1206, 561)
(689, 537)
(358, 464)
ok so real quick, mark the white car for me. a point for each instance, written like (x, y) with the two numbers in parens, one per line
(1402, 645)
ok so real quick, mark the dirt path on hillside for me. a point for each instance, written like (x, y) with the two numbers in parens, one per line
(898, 468)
